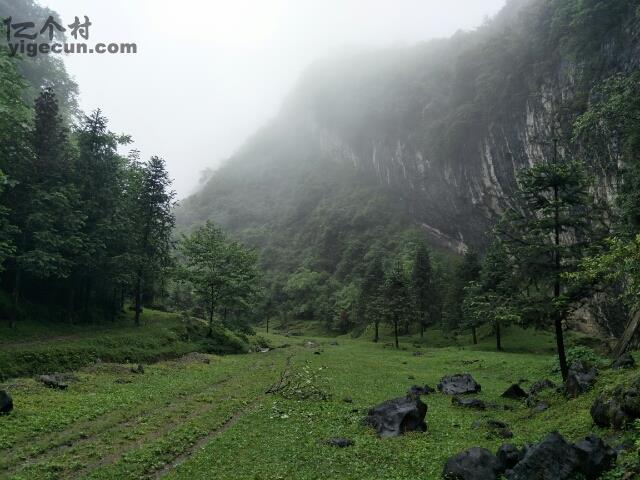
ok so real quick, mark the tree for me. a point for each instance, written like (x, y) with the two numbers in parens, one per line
(223, 272)
(345, 307)
(397, 298)
(102, 178)
(48, 212)
(491, 299)
(151, 210)
(371, 301)
(422, 288)
(467, 271)
(547, 233)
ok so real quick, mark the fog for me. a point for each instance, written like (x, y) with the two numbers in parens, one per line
(208, 74)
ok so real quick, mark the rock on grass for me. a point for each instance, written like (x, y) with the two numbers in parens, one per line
(459, 384)
(6, 402)
(397, 416)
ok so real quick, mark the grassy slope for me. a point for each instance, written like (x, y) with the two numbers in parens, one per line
(36, 347)
(215, 421)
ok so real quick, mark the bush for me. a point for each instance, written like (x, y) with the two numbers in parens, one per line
(581, 353)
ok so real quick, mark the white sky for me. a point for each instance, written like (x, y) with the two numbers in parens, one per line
(209, 73)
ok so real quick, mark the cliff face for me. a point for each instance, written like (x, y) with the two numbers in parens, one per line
(447, 125)
(443, 127)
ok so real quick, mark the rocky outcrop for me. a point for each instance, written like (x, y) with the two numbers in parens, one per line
(619, 409)
(551, 459)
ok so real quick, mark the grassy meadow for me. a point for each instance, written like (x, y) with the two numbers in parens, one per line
(207, 416)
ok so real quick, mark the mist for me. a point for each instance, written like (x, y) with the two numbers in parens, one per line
(208, 74)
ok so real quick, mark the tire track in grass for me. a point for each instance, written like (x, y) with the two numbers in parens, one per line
(226, 425)
(79, 438)
(163, 451)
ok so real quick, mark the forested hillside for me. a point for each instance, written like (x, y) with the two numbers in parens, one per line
(426, 139)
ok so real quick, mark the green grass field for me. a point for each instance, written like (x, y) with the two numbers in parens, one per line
(186, 419)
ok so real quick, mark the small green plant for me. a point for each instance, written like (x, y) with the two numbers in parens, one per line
(583, 354)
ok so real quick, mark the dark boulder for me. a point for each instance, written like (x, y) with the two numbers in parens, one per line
(594, 457)
(580, 378)
(6, 402)
(458, 384)
(340, 442)
(619, 409)
(551, 459)
(541, 385)
(473, 464)
(469, 403)
(515, 392)
(418, 390)
(53, 381)
(397, 416)
(624, 361)
(508, 456)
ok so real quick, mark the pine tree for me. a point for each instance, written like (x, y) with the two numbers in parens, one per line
(151, 222)
(371, 301)
(102, 176)
(493, 297)
(422, 288)
(467, 271)
(554, 222)
(397, 298)
(49, 215)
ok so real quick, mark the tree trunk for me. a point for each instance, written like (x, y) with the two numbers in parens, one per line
(122, 299)
(138, 301)
(395, 331)
(498, 338)
(86, 293)
(422, 330)
(376, 336)
(15, 297)
(71, 303)
(627, 337)
(267, 323)
(474, 335)
(212, 304)
(556, 285)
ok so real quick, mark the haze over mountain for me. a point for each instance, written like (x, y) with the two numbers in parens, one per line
(230, 64)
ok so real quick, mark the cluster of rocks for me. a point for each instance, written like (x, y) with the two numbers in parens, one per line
(619, 408)
(552, 458)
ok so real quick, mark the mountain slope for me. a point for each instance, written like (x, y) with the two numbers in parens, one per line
(428, 137)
